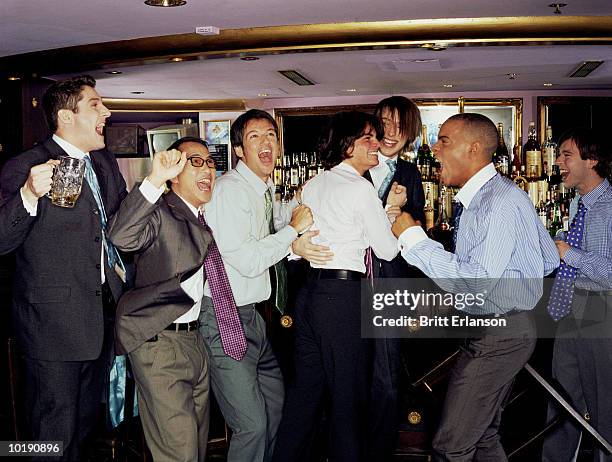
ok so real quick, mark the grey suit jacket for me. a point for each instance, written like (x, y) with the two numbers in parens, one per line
(170, 245)
(57, 301)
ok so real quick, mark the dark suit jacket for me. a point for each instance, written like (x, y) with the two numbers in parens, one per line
(406, 174)
(57, 302)
(170, 245)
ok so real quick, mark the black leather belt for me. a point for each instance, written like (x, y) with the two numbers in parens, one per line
(180, 326)
(345, 275)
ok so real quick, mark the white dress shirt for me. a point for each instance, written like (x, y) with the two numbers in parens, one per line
(350, 218)
(236, 215)
(194, 285)
(380, 172)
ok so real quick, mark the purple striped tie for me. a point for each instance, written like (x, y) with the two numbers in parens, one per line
(230, 328)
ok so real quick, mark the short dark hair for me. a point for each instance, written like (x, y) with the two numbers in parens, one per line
(340, 134)
(481, 127)
(407, 112)
(237, 130)
(187, 139)
(591, 145)
(64, 94)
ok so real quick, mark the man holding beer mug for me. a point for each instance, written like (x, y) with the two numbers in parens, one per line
(67, 274)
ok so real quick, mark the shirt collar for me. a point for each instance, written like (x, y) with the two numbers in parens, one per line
(347, 168)
(193, 209)
(474, 184)
(589, 199)
(382, 159)
(70, 149)
(256, 183)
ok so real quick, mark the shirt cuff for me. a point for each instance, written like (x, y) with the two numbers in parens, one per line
(411, 237)
(573, 257)
(150, 192)
(31, 209)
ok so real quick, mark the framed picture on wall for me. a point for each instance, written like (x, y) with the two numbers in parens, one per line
(217, 135)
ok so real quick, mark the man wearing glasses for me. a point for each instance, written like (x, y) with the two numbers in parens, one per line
(157, 320)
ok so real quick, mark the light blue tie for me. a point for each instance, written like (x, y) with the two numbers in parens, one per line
(112, 256)
(387, 181)
(560, 302)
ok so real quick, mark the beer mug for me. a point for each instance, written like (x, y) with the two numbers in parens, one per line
(67, 181)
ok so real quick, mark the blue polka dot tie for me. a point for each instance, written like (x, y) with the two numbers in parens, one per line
(560, 302)
(392, 164)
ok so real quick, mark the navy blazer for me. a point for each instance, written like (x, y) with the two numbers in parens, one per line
(406, 174)
(57, 299)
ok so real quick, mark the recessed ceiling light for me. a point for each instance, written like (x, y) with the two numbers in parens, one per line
(434, 46)
(113, 72)
(351, 90)
(512, 75)
(263, 95)
(447, 85)
(137, 92)
(14, 77)
(176, 59)
(557, 7)
(249, 58)
(165, 3)
(547, 84)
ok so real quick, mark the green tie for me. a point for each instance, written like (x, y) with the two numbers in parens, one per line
(280, 297)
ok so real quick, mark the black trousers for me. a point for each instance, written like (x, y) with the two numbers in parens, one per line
(331, 359)
(479, 384)
(582, 364)
(63, 397)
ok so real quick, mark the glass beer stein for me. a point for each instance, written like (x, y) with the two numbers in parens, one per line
(67, 181)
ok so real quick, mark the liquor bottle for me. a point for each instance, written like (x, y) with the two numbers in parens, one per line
(312, 166)
(287, 169)
(295, 171)
(442, 231)
(541, 210)
(501, 157)
(533, 155)
(303, 168)
(549, 157)
(278, 174)
(516, 157)
(424, 156)
(320, 167)
(518, 176)
(557, 221)
(428, 210)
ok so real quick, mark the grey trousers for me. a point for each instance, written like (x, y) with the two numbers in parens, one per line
(250, 392)
(173, 395)
(479, 384)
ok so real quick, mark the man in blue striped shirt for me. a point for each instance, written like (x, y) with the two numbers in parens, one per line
(502, 251)
(582, 357)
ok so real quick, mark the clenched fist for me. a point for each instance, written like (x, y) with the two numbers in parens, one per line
(397, 195)
(39, 181)
(166, 165)
(301, 218)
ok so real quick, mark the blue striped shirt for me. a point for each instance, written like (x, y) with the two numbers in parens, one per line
(503, 250)
(594, 258)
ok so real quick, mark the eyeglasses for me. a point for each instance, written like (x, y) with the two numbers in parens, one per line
(198, 161)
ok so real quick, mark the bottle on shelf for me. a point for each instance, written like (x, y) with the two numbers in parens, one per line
(278, 174)
(312, 170)
(428, 210)
(424, 156)
(557, 220)
(442, 230)
(549, 157)
(295, 171)
(501, 157)
(533, 155)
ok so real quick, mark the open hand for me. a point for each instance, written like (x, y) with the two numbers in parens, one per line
(402, 223)
(317, 254)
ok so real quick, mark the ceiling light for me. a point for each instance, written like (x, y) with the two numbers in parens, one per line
(14, 78)
(176, 59)
(557, 7)
(434, 46)
(547, 84)
(165, 3)
(447, 85)
(262, 95)
(586, 68)
(113, 72)
(512, 75)
(296, 77)
(351, 90)
(137, 92)
(249, 58)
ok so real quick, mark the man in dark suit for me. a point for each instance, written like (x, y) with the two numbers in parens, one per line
(401, 121)
(67, 276)
(157, 320)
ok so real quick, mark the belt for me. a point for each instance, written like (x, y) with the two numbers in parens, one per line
(345, 275)
(603, 293)
(180, 326)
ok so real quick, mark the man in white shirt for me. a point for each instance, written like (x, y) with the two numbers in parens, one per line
(157, 320)
(67, 276)
(250, 390)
